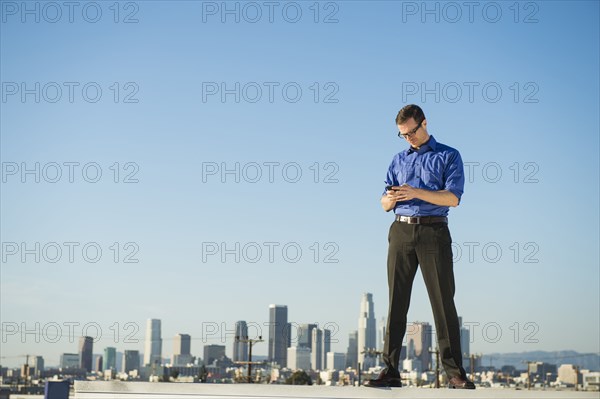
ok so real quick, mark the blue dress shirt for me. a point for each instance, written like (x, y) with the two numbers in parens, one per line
(434, 166)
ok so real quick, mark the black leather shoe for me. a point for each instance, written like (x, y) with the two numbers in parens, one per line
(386, 379)
(460, 383)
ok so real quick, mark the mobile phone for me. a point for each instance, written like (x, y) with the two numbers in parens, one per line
(388, 188)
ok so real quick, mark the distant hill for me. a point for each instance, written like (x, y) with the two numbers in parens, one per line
(590, 361)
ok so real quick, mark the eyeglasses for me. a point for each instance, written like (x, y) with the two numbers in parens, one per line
(411, 133)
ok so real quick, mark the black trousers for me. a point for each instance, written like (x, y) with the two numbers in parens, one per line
(427, 245)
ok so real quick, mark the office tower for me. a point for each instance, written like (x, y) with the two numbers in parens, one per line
(367, 331)
(336, 361)
(86, 345)
(240, 349)
(298, 358)
(182, 355)
(326, 348)
(36, 366)
(410, 347)
(98, 363)
(69, 361)
(212, 353)
(110, 358)
(305, 335)
(131, 361)
(352, 351)
(153, 344)
(316, 352)
(421, 333)
(465, 342)
(279, 334)
(381, 333)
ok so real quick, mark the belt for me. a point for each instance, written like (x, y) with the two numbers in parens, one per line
(421, 219)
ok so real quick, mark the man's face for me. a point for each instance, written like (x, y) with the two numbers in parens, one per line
(415, 133)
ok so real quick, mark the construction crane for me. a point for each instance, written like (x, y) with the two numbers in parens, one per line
(12, 357)
(26, 365)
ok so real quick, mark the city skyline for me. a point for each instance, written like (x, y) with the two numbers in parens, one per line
(419, 338)
(192, 166)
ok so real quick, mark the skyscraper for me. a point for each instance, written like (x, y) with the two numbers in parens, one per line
(131, 361)
(305, 335)
(367, 331)
(381, 338)
(279, 334)
(352, 351)
(99, 364)
(465, 343)
(153, 344)
(316, 352)
(212, 353)
(110, 358)
(421, 333)
(240, 349)
(298, 357)
(37, 364)
(181, 350)
(86, 346)
(381, 333)
(326, 348)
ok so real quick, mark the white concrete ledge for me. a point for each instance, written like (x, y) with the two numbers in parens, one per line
(166, 390)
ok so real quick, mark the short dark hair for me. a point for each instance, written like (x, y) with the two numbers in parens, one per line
(410, 111)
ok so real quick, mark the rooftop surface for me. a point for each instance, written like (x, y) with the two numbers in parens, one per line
(156, 390)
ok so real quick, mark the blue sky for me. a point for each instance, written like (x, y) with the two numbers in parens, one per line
(529, 211)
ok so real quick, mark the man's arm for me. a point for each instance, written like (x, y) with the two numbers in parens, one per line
(406, 192)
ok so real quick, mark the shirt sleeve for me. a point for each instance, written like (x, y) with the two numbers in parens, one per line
(390, 179)
(454, 176)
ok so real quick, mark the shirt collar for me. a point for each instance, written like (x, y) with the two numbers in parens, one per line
(430, 145)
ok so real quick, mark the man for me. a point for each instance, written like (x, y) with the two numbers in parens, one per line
(423, 181)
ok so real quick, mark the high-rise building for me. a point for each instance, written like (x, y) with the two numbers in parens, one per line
(352, 351)
(69, 361)
(316, 352)
(98, 366)
(131, 361)
(182, 355)
(240, 349)
(421, 333)
(110, 358)
(410, 347)
(279, 334)
(212, 353)
(86, 346)
(326, 347)
(381, 333)
(305, 335)
(465, 343)
(367, 331)
(336, 361)
(36, 366)
(153, 344)
(298, 357)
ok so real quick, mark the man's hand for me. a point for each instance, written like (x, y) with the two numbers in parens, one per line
(406, 193)
(388, 201)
